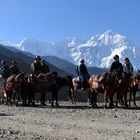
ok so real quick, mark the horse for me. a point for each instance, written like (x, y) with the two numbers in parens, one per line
(122, 87)
(77, 85)
(70, 86)
(125, 84)
(102, 83)
(25, 90)
(12, 85)
(134, 87)
(49, 82)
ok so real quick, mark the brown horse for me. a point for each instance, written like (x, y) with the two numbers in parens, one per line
(134, 87)
(47, 83)
(70, 86)
(12, 85)
(122, 87)
(103, 83)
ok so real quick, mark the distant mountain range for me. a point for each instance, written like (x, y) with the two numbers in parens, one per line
(69, 67)
(24, 60)
(98, 51)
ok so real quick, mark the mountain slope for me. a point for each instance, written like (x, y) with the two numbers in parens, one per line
(23, 60)
(98, 50)
(70, 67)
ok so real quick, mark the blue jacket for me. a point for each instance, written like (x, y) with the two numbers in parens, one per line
(82, 70)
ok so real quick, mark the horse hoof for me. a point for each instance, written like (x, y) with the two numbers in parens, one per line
(52, 105)
(96, 106)
(43, 104)
(57, 105)
(33, 104)
(105, 106)
(126, 106)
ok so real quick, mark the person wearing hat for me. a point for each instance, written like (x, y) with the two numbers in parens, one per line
(14, 70)
(82, 72)
(4, 70)
(127, 67)
(46, 68)
(116, 66)
(37, 67)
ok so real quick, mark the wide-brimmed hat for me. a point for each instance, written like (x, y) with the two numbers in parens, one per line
(37, 57)
(116, 57)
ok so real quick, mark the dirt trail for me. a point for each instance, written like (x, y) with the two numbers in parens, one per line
(68, 122)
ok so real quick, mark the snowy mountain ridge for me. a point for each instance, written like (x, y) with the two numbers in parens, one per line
(98, 51)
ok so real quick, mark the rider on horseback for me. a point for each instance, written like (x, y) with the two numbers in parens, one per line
(127, 67)
(46, 68)
(4, 70)
(37, 67)
(116, 66)
(82, 73)
(14, 70)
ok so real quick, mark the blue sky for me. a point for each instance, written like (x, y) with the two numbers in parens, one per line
(54, 20)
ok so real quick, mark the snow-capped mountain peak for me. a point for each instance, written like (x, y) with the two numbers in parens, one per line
(97, 50)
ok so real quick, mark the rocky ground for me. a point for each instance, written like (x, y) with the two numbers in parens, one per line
(69, 122)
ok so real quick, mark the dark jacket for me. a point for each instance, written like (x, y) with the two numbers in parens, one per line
(45, 68)
(82, 70)
(36, 68)
(14, 70)
(117, 66)
(5, 71)
(128, 68)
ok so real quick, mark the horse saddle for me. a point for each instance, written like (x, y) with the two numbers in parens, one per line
(98, 86)
(98, 78)
(46, 78)
(76, 79)
(10, 83)
(96, 81)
